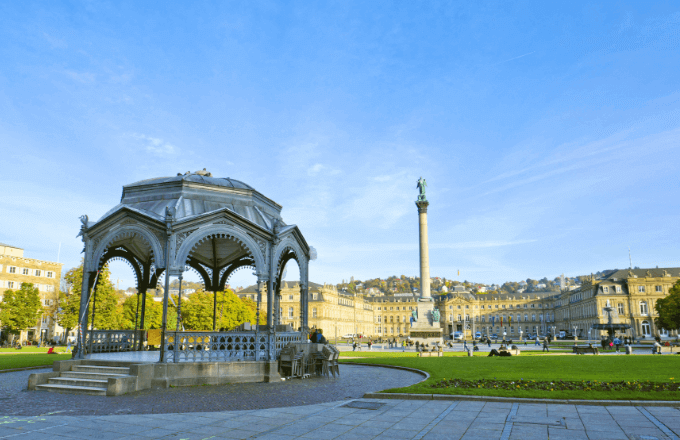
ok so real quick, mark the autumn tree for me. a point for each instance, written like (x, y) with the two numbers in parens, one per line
(107, 310)
(20, 309)
(197, 312)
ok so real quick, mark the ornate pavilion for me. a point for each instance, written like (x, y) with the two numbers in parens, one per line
(214, 226)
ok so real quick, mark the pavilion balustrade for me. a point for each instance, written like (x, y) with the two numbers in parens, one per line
(112, 341)
(222, 346)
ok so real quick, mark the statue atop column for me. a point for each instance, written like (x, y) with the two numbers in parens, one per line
(421, 186)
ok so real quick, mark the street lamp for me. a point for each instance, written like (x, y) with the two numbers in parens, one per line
(520, 334)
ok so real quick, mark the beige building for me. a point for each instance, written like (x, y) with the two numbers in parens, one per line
(16, 269)
(631, 293)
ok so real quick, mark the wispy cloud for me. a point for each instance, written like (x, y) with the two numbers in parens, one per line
(514, 58)
(156, 146)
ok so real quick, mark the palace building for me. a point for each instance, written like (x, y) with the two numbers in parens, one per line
(631, 293)
(16, 269)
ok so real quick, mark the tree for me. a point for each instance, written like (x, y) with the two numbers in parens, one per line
(197, 312)
(153, 312)
(668, 309)
(20, 309)
(252, 306)
(107, 312)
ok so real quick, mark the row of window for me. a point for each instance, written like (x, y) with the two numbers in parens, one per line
(17, 285)
(29, 272)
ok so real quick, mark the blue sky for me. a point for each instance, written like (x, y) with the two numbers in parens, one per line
(547, 131)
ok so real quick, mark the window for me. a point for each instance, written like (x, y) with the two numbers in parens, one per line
(503, 305)
(314, 312)
(621, 309)
(525, 306)
(391, 308)
(10, 284)
(50, 275)
(315, 296)
(643, 308)
(496, 305)
(533, 317)
(290, 312)
(397, 308)
(618, 289)
(12, 269)
(482, 306)
(605, 289)
(459, 307)
(460, 318)
(467, 307)
(290, 297)
(533, 306)
(519, 318)
(526, 318)
(450, 307)
(641, 289)
(379, 308)
(659, 289)
(37, 273)
(483, 318)
(646, 329)
(24, 271)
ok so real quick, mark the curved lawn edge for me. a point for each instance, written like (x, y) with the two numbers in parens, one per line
(408, 396)
(396, 367)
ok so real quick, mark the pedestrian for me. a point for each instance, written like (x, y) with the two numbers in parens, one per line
(474, 346)
(464, 344)
(403, 345)
(537, 342)
(545, 344)
(370, 344)
(354, 346)
(68, 345)
(488, 341)
(617, 342)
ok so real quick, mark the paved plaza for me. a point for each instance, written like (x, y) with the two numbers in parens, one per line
(366, 419)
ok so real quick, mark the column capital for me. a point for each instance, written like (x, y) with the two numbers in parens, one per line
(422, 206)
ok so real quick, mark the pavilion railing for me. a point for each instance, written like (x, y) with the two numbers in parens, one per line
(284, 338)
(223, 346)
(111, 341)
(215, 346)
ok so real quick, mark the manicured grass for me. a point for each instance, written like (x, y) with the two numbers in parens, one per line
(412, 354)
(536, 367)
(30, 360)
(32, 349)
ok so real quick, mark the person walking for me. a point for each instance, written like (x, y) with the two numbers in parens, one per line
(403, 345)
(617, 343)
(465, 348)
(489, 342)
(545, 344)
(537, 341)
(354, 346)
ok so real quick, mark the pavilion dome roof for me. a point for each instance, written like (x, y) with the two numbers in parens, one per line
(198, 193)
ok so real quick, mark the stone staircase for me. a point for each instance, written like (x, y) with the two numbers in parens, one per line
(84, 379)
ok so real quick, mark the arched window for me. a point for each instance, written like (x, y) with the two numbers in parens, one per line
(533, 317)
(314, 312)
(646, 329)
(460, 318)
(526, 318)
(643, 308)
(290, 312)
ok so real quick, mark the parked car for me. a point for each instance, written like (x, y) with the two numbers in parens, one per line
(478, 335)
(458, 336)
(349, 336)
(494, 336)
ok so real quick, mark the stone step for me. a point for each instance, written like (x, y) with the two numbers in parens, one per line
(101, 369)
(71, 389)
(87, 375)
(79, 382)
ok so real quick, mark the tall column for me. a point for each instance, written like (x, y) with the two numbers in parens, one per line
(84, 301)
(424, 252)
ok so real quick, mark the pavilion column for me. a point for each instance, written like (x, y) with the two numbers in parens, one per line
(169, 214)
(214, 310)
(142, 292)
(84, 303)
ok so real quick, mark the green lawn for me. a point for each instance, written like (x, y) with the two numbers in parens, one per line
(32, 349)
(30, 360)
(535, 367)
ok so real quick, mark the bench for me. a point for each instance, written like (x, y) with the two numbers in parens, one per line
(430, 354)
(584, 350)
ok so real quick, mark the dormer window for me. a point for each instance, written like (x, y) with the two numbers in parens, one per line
(605, 289)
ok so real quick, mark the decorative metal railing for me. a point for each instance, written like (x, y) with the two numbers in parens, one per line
(111, 341)
(215, 346)
(284, 338)
(223, 346)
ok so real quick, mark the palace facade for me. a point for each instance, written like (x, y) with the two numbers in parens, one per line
(631, 293)
(16, 269)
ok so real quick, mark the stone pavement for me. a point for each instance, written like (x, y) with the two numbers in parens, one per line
(354, 381)
(392, 419)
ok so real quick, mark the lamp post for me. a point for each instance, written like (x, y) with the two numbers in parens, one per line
(520, 334)
(575, 335)
(589, 330)
(554, 334)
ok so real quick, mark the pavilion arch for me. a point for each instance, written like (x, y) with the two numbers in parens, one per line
(198, 236)
(288, 249)
(129, 231)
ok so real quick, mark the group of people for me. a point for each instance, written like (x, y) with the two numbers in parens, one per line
(317, 337)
